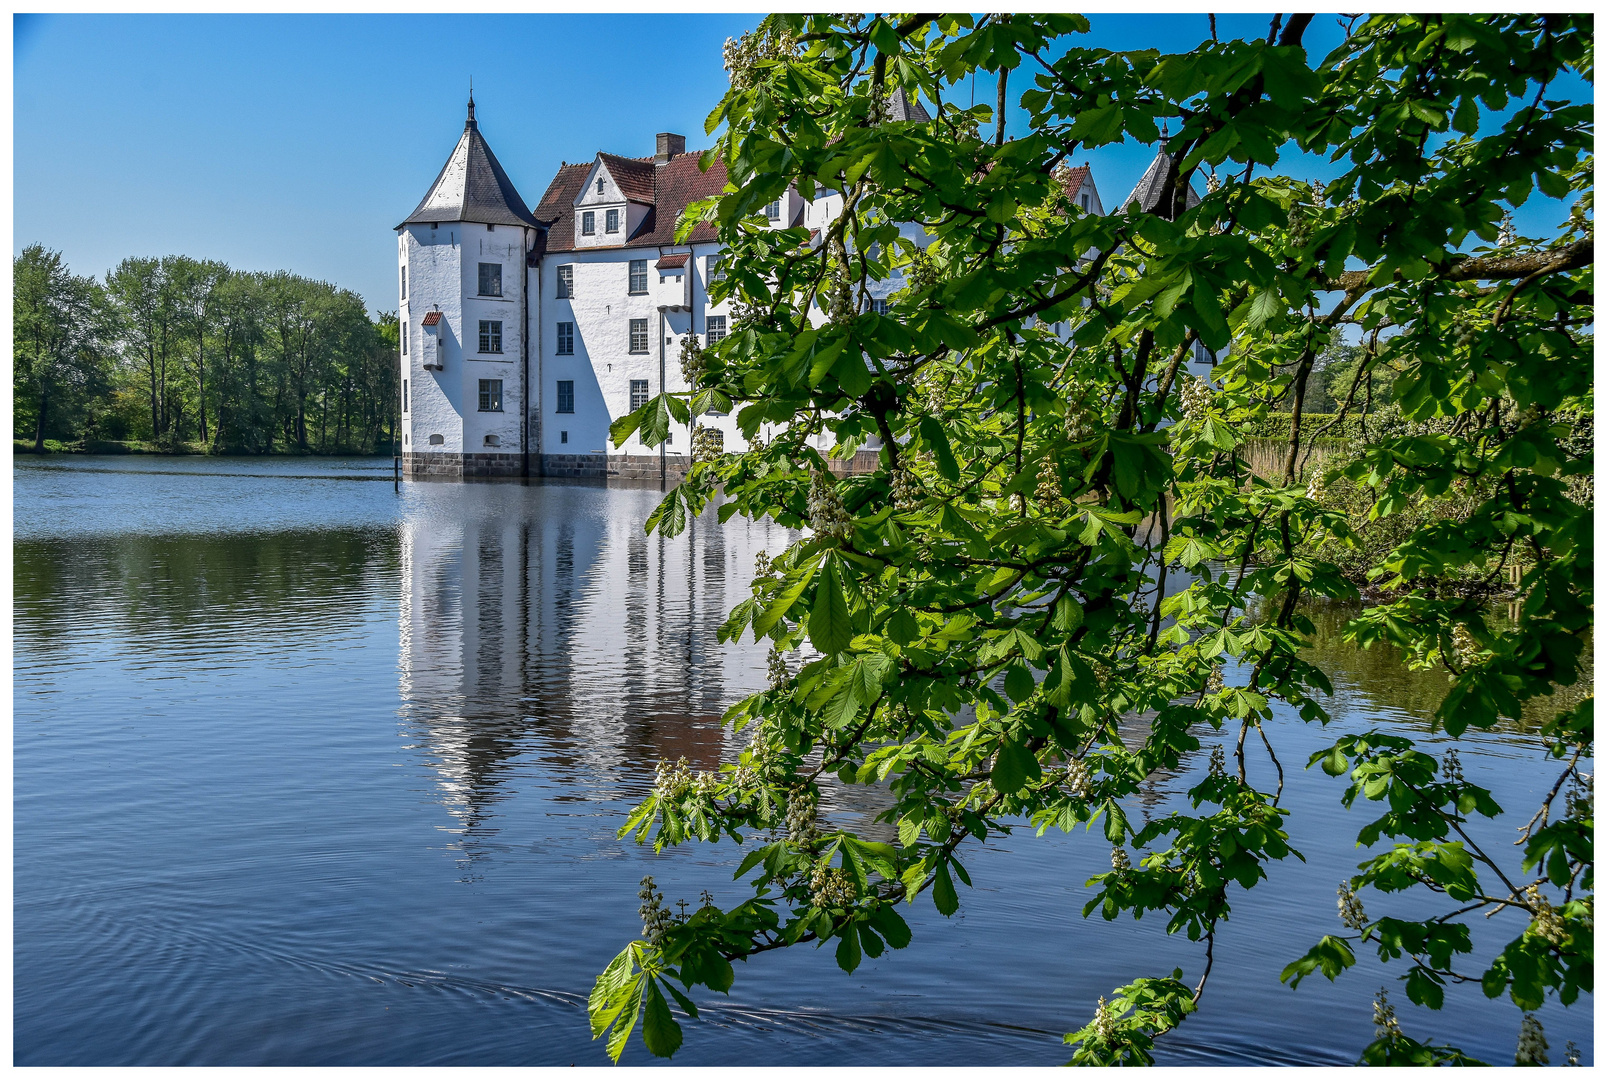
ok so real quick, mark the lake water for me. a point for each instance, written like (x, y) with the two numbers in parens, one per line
(309, 771)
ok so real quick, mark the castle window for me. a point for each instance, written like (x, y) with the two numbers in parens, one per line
(490, 395)
(716, 327)
(493, 440)
(406, 333)
(713, 271)
(638, 393)
(490, 335)
(1085, 200)
(566, 282)
(563, 436)
(404, 283)
(404, 395)
(638, 335)
(879, 306)
(638, 277)
(773, 211)
(599, 185)
(490, 279)
(490, 228)
(566, 339)
(611, 221)
(588, 223)
(437, 440)
(566, 395)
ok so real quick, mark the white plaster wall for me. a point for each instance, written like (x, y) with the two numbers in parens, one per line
(434, 280)
(504, 246)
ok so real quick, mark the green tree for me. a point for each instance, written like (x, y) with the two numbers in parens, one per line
(977, 616)
(57, 357)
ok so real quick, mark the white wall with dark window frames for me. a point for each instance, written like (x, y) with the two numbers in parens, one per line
(490, 279)
(566, 339)
(878, 306)
(712, 270)
(638, 393)
(588, 223)
(773, 211)
(715, 325)
(566, 282)
(490, 395)
(611, 221)
(638, 277)
(566, 395)
(490, 335)
(404, 283)
(638, 335)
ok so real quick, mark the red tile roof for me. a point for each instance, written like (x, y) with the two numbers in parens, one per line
(1071, 180)
(675, 183)
(672, 262)
(432, 318)
(633, 175)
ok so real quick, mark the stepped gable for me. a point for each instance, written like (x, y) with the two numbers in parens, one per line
(1152, 185)
(472, 186)
(674, 184)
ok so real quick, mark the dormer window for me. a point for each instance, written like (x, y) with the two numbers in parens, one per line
(588, 223)
(611, 221)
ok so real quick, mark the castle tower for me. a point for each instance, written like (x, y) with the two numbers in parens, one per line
(464, 309)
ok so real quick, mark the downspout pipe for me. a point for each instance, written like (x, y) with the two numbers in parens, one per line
(524, 375)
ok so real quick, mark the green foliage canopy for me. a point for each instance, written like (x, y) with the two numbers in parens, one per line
(982, 610)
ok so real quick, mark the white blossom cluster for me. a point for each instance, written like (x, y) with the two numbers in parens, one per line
(1532, 1044)
(1079, 422)
(708, 444)
(1219, 759)
(1048, 494)
(656, 918)
(1451, 767)
(1195, 395)
(1317, 488)
(840, 296)
(1118, 859)
(831, 887)
(1508, 235)
(1351, 913)
(743, 55)
(906, 491)
(1213, 681)
(692, 362)
(1078, 780)
(778, 671)
(1465, 649)
(801, 819)
(827, 514)
(676, 780)
(1385, 1026)
(1105, 1022)
(1546, 922)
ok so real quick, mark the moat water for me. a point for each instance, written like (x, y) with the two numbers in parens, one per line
(311, 772)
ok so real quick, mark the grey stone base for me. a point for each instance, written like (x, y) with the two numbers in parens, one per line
(440, 466)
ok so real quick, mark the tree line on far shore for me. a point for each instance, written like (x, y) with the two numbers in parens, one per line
(190, 355)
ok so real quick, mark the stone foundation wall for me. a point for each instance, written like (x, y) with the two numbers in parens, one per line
(605, 467)
(441, 466)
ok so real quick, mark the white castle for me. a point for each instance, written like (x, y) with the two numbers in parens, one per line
(513, 359)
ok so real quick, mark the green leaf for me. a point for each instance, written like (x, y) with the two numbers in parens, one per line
(1015, 767)
(937, 440)
(885, 918)
(660, 1032)
(1331, 955)
(848, 949)
(830, 626)
(943, 894)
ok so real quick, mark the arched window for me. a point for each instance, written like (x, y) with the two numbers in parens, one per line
(437, 440)
(493, 440)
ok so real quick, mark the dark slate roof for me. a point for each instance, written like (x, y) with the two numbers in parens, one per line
(903, 107)
(676, 183)
(1152, 186)
(634, 176)
(472, 186)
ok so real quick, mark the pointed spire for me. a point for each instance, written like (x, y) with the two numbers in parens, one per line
(470, 123)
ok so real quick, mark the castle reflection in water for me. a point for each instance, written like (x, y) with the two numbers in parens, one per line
(544, 621)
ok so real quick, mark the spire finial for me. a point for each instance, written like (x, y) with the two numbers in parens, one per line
(1165, 126)
(470, 122)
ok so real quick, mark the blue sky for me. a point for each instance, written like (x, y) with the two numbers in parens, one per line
(298, 142)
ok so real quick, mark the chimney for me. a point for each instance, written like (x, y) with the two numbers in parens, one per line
(668, 146)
